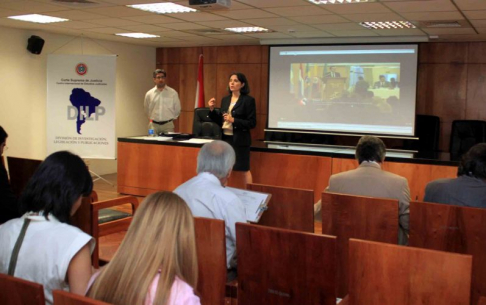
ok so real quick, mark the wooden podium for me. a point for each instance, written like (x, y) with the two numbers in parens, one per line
(334, 87)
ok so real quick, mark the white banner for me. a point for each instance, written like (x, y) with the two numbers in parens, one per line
(81, 105)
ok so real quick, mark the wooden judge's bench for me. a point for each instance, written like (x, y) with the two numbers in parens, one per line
(147, 166)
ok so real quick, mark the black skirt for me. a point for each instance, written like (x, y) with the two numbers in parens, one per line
(242, 163)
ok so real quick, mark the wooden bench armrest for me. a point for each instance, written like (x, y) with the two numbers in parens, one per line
(96, 206)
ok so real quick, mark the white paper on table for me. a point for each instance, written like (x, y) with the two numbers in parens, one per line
(197, 141)
(255, 202)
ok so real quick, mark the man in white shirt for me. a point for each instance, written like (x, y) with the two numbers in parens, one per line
(207, 197)
(162, 104)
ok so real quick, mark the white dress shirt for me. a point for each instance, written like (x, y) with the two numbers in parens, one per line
(206, 197)
(162, 105)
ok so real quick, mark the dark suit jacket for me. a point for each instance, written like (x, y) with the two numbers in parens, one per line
(463, 191)
(336, 74)
(378, 85)
(244, 113)
(8, 201)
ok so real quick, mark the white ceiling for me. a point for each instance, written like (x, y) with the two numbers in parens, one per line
(291, 21)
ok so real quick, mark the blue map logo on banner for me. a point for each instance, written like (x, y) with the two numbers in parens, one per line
(84, 106)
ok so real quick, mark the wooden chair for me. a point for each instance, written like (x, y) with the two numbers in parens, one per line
(87, 218)
(289, 208)
(20, 171)
(211, 256)
(347, 216)
(453, 229)
(62, 297)
(278, 266)
(382, 273)
(16, 291)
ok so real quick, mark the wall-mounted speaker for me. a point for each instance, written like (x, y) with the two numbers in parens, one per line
(35, 44)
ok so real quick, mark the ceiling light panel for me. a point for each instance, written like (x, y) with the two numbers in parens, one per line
(339, 1)
(38, 18)
(163, 8)
(387, 25)
(137, 35)
(254, 29)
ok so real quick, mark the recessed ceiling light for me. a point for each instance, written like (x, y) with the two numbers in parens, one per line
(385, 25)
(163, 8)
(38, 18)
(339, 1)
(254, 29)
(137, 35)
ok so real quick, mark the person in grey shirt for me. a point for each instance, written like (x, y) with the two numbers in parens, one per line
(206, 195)
(469, 188)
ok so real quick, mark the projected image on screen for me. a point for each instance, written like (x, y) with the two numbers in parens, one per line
(358, 89)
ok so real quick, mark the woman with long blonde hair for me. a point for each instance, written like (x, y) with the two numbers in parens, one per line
(156, 262)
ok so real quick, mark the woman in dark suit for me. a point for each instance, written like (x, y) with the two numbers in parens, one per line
(237, 117)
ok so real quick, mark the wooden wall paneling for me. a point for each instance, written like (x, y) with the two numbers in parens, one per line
(476, 91)
(166, 56)
(187, 83)
(264, 90)
(476, 52)
(288, 170)
(190, 55)
(210, 55)
(210, 83)
(265, 51)
(444, 90)
(185, 121)
(173, 76)
(258, 132)
(146, 168)
(239, 54)
(422, 102)
(343, 165)
(252, 73)
(449, 52)
(445, 135)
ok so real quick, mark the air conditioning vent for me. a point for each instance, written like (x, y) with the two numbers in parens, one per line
(440, 24)
(210, 4)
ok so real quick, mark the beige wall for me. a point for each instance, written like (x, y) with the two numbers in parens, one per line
(23, 88)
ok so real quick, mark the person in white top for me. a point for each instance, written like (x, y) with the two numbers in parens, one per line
(207, 197)
(162, 104)
(52, 253)
(157, 261)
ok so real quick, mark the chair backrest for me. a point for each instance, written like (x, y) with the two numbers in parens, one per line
(211, 256)
(83, 219)
(455, 229)
(20, 171)
(278, 266)
(15, 291)
(427, 129)
(382, 273)
(289, 208)
(62, 297)
(464, 134)
(202, 125)
(348, 216)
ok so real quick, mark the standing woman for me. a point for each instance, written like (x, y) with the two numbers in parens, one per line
(237, 117)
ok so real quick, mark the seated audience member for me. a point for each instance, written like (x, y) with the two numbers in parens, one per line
(52, 252)
(8, 201)
(156, 262)
(206, 196)
(382, 83)
(469, 188)
(370, 180)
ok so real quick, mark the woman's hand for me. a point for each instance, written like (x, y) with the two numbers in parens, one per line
(211, 104)
(228, 118)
